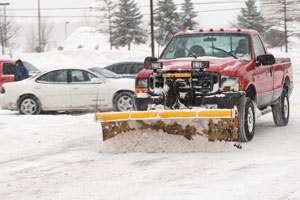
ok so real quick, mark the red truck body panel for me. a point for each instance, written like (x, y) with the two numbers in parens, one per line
(6, 75)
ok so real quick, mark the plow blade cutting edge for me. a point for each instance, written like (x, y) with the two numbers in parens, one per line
(218, 124)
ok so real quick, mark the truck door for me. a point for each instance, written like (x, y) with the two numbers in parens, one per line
(7, 72)
(264, 77)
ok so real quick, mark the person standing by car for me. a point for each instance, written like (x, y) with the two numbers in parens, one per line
(21, 71)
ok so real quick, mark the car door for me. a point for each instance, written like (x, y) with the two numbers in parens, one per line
(7, 72)
(264, 78)
(85, 93)
(53, 90)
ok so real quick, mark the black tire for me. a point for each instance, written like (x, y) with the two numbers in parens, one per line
(246, 120)
(281, 110)
(29, 105)
(124, 101)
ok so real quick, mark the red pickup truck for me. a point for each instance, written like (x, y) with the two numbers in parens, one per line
(8, 69)
(218, 69)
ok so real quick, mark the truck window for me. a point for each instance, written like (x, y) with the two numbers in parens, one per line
(209, 44)
(8, 69)
(258, 46)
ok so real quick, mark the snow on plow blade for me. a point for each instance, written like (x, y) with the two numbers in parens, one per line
(219, 124)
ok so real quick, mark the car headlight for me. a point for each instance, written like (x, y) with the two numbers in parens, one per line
(141, 83)
(231, 83)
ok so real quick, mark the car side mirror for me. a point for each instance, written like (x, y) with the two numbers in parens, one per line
(267, 59)
(148, 61)
(96, 80)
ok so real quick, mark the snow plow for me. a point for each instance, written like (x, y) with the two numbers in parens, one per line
(218, 124)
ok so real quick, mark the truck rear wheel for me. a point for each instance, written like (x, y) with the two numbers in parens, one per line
(281, 110)
(246, 120)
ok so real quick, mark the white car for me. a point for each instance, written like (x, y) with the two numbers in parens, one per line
(65, 90)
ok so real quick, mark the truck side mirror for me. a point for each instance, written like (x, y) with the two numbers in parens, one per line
(267, 59)
(148, 61)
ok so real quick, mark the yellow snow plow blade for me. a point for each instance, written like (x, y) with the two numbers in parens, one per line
(219, 124)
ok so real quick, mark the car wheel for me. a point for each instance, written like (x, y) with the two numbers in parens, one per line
(281, 110)
(246, 120)
(29, 105)
(124, 101)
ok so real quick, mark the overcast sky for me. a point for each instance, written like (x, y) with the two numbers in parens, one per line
(209, 15)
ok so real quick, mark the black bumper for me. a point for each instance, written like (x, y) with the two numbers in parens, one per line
(222, 100)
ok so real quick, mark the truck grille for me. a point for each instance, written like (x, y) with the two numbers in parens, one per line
(198, 82)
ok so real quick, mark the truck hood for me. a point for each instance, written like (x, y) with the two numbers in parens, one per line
(224, 66)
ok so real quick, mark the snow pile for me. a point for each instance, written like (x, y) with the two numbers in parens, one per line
(87, 38)
(81, 58)
(150, 141)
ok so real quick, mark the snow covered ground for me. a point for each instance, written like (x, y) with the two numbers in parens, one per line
(50, 157)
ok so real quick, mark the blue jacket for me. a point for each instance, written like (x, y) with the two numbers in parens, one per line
(21, 73)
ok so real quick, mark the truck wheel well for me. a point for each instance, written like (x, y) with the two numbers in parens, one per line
(286, 83)
(251, 93)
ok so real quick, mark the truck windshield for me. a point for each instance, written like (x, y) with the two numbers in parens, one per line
(222, 45)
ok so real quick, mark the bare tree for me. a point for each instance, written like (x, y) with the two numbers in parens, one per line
(8, 31)
(32, 44)
(31, 40)
(46, 34)
(281, 14)
(109, 8)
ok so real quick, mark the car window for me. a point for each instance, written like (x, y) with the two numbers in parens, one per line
(258, 46)
(58, 76)
(90, 76)
(136, 68)
(30, 67)
(111, 68)
(81, 76)
(119, 68)
(104, 72)
(8, 68)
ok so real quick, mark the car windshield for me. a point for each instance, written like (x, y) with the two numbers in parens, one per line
(30, 67)
(235, 45)
(104, 72)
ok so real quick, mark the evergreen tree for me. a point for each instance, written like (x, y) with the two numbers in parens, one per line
(166, 21)
(251, 18)
(188, 15)
(127, 25)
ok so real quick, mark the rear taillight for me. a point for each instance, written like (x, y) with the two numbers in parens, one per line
(2, 90)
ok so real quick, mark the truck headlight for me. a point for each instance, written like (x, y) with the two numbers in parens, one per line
(156, 65)
(141, 83)
(200, 64)
(231, 83)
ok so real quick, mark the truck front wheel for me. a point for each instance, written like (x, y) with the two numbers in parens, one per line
(281, 110)
(246, 120)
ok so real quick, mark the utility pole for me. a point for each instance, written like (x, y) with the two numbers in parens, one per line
(39, 26)
(66, 30)
(4, 29)
(152, 27)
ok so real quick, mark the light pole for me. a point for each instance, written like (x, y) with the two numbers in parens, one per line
(3, 33)
(39, 25)
(152, 28)
(66, 30)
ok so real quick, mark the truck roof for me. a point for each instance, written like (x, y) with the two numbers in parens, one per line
(221, 30)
